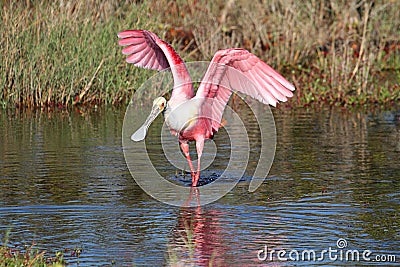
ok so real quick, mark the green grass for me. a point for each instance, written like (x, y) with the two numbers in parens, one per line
(31, 257)
(62, 53)
(15, 255)
(28, 256)
(50, 55)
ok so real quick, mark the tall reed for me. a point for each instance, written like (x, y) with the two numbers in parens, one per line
(59, 53)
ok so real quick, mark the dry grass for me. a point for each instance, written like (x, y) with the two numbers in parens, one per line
(59, 53)
(340, 52)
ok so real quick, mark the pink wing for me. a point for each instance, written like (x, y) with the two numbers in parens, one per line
(238, 70)
(144, 49)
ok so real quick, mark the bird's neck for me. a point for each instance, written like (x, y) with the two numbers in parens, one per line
(183, 88)
(182, 94)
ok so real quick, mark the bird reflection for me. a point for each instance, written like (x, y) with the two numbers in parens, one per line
(197, 239)
(201, 238)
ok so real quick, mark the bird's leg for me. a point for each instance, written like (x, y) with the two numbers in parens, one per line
(199, 148)
(185, 150)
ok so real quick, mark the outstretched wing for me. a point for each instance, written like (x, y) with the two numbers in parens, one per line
(144, 49)
(239, 70)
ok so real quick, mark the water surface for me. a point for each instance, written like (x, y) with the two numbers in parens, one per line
(64, 184)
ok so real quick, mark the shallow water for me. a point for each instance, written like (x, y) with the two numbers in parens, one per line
(64, 184)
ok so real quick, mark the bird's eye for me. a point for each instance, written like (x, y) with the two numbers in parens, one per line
(162, 104)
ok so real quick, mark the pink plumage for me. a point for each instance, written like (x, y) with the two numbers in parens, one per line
(233, 69)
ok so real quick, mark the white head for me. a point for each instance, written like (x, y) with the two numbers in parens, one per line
(160, 103)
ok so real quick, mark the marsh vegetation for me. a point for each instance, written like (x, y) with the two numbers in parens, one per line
(64, 53)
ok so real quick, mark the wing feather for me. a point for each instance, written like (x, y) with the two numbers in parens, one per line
(272, 84)
(145, 59)
(144, 49)
(131, 41)
(238, 70)
(138, 57)
(151, 62)
(133, 49)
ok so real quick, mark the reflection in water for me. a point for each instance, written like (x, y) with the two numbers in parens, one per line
(64, 184)
(203, 237)
(197, 239)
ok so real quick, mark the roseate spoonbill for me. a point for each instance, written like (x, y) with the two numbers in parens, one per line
(199, 115)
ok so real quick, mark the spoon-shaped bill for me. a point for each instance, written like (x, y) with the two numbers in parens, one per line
(140, 133)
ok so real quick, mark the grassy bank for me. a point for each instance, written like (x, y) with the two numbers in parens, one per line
(61, 53)
(18, 255)
(29, 256)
